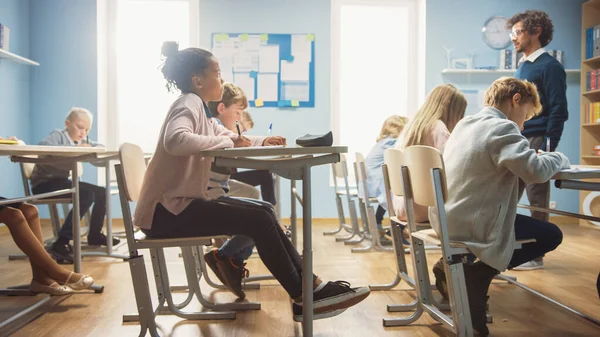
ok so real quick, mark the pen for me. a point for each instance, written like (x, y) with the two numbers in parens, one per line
(87, 139)
(547, 144)
(237, 126)
(270, 128)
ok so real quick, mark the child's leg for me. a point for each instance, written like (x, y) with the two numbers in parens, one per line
(201, 217)
(97, 195)
(379, 216)
(262, 178)
(548, 236)
(43, 267)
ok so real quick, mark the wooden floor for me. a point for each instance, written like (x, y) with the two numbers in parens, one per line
(569, 276)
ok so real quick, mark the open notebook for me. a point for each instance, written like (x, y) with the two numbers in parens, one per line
(580, 169)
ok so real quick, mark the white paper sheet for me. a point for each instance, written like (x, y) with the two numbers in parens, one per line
(296, 70)
(301, 48)
(244, 81)
(268, 88)
(268, 59)
(296, 91)
(579, 169)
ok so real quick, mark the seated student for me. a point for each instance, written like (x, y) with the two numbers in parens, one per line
(431, 126)
(48, 178)
(228, 112)
(227, 262)
(391, 129)
(173, 200)
(485, 157)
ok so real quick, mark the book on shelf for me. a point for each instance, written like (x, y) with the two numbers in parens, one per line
(4, 37)
(592, 42)
(592, 80)
(592, 113)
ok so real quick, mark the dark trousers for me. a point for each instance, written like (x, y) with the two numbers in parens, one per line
(262, 178)
(379, 214)
(547, 237)
(229, 216)
(88, 194)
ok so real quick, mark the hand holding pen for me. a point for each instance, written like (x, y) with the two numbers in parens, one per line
(240, 141)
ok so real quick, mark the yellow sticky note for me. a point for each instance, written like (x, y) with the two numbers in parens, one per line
(310, 37)
(264, 37)
(258, 103)
(295, 103)
(244, 37)
(222, 37)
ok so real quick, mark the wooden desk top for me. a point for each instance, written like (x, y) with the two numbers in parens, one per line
(62, 151)
(267, 151)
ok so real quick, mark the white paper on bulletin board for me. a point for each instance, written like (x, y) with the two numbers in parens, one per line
(267, 87)
(297, 70)
(301, 48)
(246, 82)
(299, 91)
(268, 59)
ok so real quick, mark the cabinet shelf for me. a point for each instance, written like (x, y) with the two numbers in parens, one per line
(16, 58)
(592, 61)
(591, 93)
(590, 157)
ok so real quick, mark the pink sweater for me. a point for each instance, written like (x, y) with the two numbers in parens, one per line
(437, 137)
(176, 175)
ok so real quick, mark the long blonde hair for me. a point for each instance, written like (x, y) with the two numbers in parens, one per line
(392, 127)
(444, 103)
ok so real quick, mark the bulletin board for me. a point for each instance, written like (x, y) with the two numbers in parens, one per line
(274, 70)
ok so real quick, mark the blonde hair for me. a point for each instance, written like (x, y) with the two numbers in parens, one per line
(246, 120)
(505, 88)
(78, 113)
(392, 127)
(444, 103)
(232, 94)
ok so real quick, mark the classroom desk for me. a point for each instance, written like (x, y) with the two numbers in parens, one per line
(60, 154)
(293, 163)
(566, 180)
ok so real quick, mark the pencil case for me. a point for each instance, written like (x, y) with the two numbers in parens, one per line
(315, 140)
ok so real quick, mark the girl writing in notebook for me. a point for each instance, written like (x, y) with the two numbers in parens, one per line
(173, 200)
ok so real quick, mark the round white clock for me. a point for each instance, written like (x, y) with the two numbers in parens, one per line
(495, 34)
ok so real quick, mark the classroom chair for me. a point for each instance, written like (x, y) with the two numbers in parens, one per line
(424, 167)
(340, 171)
(130, 174)
(367, 211)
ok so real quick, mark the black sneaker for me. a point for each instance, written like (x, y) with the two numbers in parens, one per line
(99, 239)
(227, 272)
(478, 277)
(299, 316)
(61, 252)
(440, 278)
(338, 295)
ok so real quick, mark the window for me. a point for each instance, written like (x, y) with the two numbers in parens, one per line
(375, 72)
(131, 33)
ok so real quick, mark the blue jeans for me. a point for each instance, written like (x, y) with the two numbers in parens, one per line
(547, 237)
(240, 247)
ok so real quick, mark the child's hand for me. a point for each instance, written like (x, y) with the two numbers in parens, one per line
(275, 140)
(84, 145)
(540, 152)
(9, 138)
(241, 141)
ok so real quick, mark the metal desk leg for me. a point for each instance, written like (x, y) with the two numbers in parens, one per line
(76, 221)
(109, 235)
(293, 216)
(307, 291)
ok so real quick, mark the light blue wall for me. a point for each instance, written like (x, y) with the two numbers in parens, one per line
(291, 16)
(457, 24)
(14, 90)
(63, 40)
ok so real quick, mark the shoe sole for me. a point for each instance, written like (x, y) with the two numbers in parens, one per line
(214, 266)
(528, 268)
(342, 301)
(322, 315)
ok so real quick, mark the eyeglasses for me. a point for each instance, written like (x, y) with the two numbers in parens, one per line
(516, 33)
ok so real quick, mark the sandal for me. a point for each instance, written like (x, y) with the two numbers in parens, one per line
(53, 289)
(85, 282)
